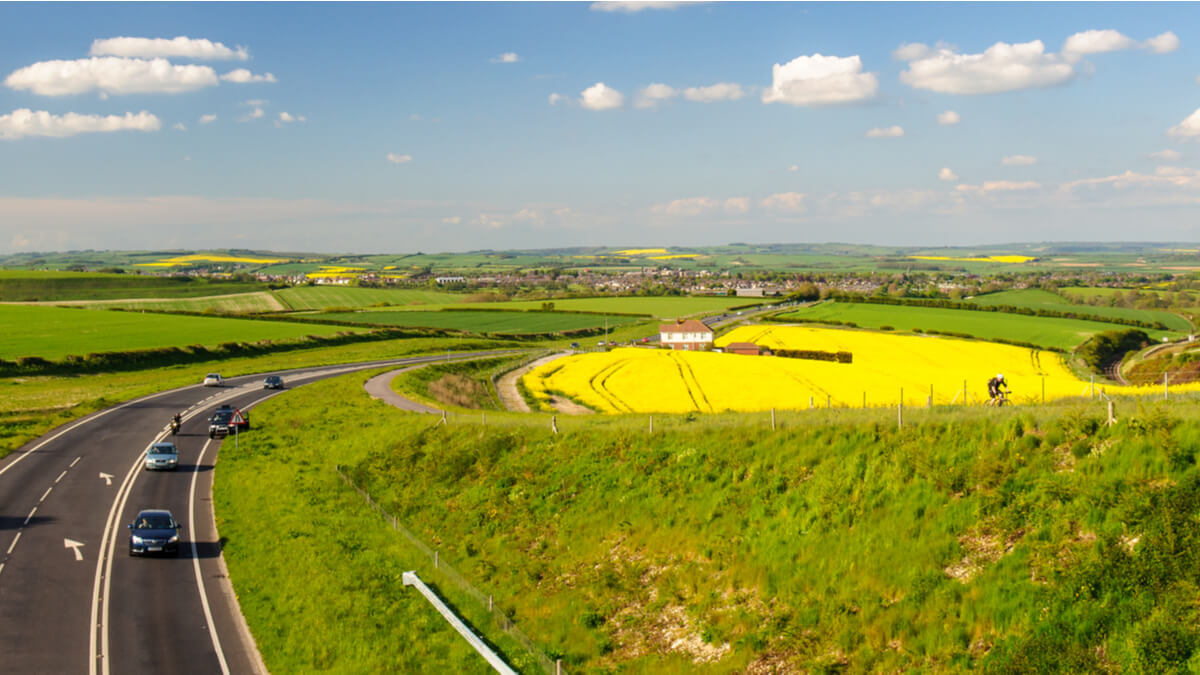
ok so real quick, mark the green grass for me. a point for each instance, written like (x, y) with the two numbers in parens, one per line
(320, 297)
(484, 322)
(234, 303)
(658, 307)
(1039, 299)
(28, 286)
(837, 542)
(55, 332)
(1041, 331)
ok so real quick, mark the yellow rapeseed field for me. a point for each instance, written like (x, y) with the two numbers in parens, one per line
(1011, 259)
(204, 257)
(884, 365)
(640, 251)
(676, 256)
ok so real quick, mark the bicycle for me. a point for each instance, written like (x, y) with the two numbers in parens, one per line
(999, 400)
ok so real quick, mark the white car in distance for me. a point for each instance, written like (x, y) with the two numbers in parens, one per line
(212, 380)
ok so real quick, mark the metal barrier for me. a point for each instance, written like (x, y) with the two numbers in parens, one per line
(493, 659)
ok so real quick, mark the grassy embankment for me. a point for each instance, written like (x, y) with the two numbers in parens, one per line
(1042, 331)
(1033, 539)
(465, 385)
(31, 406)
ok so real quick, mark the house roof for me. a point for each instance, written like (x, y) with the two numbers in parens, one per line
(742, 345)
(689, 326)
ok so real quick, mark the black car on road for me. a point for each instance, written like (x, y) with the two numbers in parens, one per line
(226, 419)
(273, 382)
(154, 531)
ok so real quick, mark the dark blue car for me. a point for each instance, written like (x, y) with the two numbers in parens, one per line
(154, 531)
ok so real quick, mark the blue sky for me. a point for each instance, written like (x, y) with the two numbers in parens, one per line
(460, 126)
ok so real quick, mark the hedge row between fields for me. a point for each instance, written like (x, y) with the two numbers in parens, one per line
(1004, 309)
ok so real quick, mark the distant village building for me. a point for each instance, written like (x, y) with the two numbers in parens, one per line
(451, 280)
(748, 348)
(690, 335)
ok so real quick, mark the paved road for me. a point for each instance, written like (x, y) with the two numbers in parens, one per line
(71, 599)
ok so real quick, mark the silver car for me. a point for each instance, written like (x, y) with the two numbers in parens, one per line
(162, 456)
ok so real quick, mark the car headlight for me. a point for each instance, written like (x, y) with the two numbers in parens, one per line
(173, 540)
(136, 540)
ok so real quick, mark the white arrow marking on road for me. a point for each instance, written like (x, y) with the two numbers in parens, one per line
(74, 545)
(107, 478)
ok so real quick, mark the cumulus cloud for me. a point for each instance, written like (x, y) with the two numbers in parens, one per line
(600, 96)
(820, 80)
(635, 6)
(179, 47)
(948, 118)
(722, 91)
(886, 132)
(1002, 67)
(179, 126)
(110, 75)
(25, 122)
(1019, 160)
(506, 57)
(255, 114)
(1175, 177)
(692, 206)
(785, 202)
(1163, 44)
(243, 76)
(287, 118)
(651, 95)
(999, 186)
(947, 175)
(1187, 130)
(1166, 156)
(208, 119)
(1095, 42)
(398, 159)
(556, 98)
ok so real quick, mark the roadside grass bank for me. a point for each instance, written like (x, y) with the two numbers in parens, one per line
(465, 385)
(511, 322)
(32, 405)
(1022, 539)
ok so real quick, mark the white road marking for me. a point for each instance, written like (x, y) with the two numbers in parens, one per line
(30, 516)
(75, 462)
(14, 543)
(102, 583)
(1, 568)
(45, 494)
(60, 477)
(212, 629)
(74, 546)
(107, 478)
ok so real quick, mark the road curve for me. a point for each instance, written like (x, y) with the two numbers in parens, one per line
(71, 599)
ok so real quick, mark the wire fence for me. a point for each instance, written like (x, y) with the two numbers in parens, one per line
(484, 601)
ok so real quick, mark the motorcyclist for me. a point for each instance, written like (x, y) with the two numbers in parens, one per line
(176, 422)
(994, 387)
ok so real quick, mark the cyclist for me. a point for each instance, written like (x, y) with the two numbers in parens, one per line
(994, 388)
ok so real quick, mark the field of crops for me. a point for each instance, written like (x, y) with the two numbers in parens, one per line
(23, 286)
(1039, 299)
(883, 366)
(658, 307)
(55, 332)
(1041, 331)
(320, 297)
(234, 303)
(484, 322)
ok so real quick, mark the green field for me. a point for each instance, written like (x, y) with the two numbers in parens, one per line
(55, 332)
(1041, 331)
(668, 307)
(234, 303)
(976, 541)
(320, 297)
(1039, 299)
(484, 322)
(23, 286)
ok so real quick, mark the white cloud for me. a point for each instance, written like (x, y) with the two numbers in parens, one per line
(820, 80)
(506, 57)
(600, 96)
(25, 122)
(653, 94)
(722, 91)
(255, 102)
(110, 75)
(635, 6)
(255, 114)
(737, 205)
(947, 175)
(287, 118)
(886, 132)
(1019, 160)
(398, 159)
(1165, 176)
(180, 47)
(208, 119)
(1002, 67)
(692, 206)
(179, 126)
(948, 118)
(490, 220)
(1166, 156)
(910, 51)
(999, 186)
(794, 168)
(785, 202)
(243, 76)
(555, 98)
(1095, 42)
(452, 220)
(1187, 130)
(1163, 44)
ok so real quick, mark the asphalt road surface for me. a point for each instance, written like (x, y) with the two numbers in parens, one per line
(71, 598)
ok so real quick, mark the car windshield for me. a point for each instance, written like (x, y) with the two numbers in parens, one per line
(223, 416)
(211, 375)
(163, 450)
(154, 522)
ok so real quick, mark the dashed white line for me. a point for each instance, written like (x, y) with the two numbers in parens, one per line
(45, 494)
(29, 517)
(14, 543)
(1, 568)
(75, 462)
(60, 477)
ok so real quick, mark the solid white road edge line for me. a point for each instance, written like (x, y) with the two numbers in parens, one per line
(208, 617)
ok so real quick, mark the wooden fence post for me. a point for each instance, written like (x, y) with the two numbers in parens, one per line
(554, 423)
(772, 419)
(964, 392)
(652, 424)
(929, 403)
(1111, 420)
(900, 410)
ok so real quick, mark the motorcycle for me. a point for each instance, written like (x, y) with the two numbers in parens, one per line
(174, 425)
